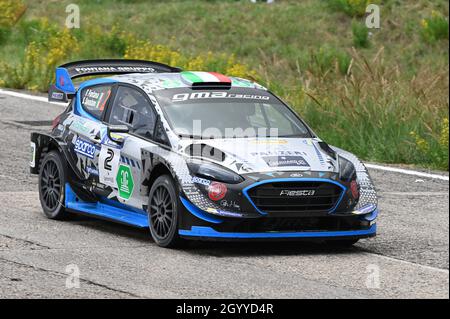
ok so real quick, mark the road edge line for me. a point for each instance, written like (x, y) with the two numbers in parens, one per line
(431, 268)
(407, 172)
(28, 96)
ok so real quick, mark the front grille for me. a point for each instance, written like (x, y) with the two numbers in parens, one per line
(295, 197)
(297, 224)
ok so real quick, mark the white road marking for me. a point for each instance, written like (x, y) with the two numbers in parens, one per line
(373, 166)
(28, 96)
(444, 271)
(406, 171)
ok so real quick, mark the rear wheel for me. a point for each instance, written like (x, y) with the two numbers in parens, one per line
(163, 212)
(52, 178)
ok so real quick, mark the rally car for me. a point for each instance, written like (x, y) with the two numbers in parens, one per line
(195, 155)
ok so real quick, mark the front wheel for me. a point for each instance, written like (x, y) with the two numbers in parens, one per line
(163, 212)
(52, 178)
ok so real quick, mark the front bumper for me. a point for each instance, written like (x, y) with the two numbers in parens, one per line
(204, 232)
(198, 224)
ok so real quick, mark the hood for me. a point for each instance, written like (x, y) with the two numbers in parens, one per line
(250, 155)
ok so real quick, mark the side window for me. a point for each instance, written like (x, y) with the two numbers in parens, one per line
(132, 109)
(94, 99)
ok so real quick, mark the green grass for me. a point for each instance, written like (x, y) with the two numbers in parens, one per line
(386, 100)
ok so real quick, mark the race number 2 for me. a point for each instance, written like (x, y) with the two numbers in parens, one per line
(109, 159)
(109, 165)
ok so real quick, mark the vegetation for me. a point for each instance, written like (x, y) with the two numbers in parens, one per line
(381, 93)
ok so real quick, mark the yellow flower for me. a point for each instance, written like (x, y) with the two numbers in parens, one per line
(424, 23)
(443, 140)
(421, 143)
(11, 11)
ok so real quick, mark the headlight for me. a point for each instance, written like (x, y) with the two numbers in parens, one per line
(214, 172)
(347, 171)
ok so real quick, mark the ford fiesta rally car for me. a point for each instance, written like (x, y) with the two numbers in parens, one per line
(195, 155)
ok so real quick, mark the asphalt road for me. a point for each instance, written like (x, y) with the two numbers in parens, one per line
(408, 259)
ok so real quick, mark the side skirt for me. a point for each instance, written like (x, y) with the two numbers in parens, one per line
(105, 211)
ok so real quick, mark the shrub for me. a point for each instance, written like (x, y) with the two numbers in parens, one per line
(360, 35)
(10, 12)
(36, 70)
(4, 34)
(353, 8)
(434, 28)
(329, 59)
(226, 64)
(370, 112)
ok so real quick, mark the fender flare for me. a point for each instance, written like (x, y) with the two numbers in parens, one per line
(42, 144)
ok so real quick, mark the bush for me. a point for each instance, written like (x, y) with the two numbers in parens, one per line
(329, 59)
(4, 34)
(353, 8)
(435, 28)
(370, 112)
(10, 12)
(226, 64)
(360, 35)
(36, 70)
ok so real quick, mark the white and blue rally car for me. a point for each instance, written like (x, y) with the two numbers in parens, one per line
(195, 155)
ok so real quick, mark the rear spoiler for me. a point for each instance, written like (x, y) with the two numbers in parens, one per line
(64, 89)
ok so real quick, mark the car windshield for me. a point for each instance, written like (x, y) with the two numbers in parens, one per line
(233, 113)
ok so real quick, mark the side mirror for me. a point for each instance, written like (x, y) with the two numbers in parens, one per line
(114, 129)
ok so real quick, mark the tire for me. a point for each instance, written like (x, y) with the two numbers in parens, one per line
(163, 212)
(52, 179)
(342, 242)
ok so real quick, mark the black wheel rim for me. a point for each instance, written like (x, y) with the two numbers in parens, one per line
(161, 211)
(51, 185)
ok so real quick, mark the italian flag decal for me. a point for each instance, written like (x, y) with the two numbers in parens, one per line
(204, 77)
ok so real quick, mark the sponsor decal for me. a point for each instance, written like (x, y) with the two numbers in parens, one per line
(57, 96)
(222, 212)
(80, 126)
(202, 181)
(92, 170)
(33, 155)
(125, 182)
(283, 161)
(296, 175)
(180, 97)
(278, 153)
(84, 148)
(130, 69)
(94, 99)
(268, 141)
(297, 193)
(230, 204)
(217, 191)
